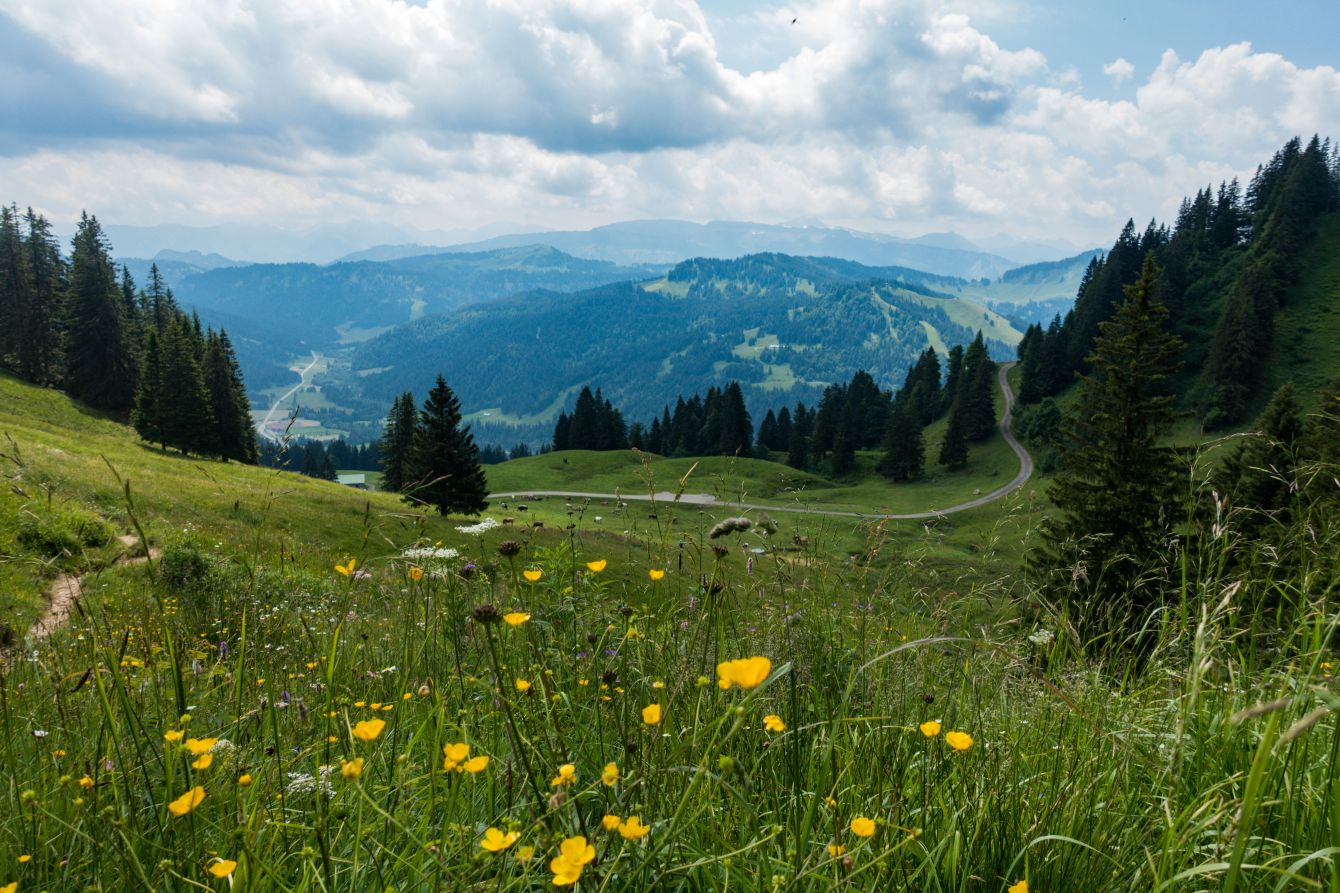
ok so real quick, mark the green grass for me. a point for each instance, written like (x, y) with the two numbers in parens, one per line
(991, 464)
(1081, 775)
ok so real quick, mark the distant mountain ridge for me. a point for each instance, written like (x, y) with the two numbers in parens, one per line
(783, 326)
(671, 241)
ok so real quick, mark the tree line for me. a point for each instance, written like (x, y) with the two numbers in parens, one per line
(132, 352)
(320, 459)
(1222, 272)
(857, 415)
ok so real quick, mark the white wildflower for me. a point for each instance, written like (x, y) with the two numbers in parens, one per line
(481, 528)
(428, 553)
(1042, 637)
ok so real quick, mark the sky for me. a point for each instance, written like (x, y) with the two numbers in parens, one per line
(1035, 120)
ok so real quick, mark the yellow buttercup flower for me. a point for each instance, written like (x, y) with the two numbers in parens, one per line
(533, 575)
(522, 685)
(368, 729)
(633, 829)
(567, 774)
(495, 841)
(187, 801)
(773, 723)
(351, 769)
(573, 854)
(525, 853)
(172, 736)
(596, 567)
(930, 728)
(197, 746)
(863, 827)
(10, 887)
(223, 868)
(475, 765)
(416, 574)
(610, 774)
(1021, 887)
(455, 754)
(516, 618)
(656, 574)
(611, 822)
(747, 672)
(86, 783)
(204, 761)
(244, 780)
(651, 714)
(25, 859)
(347, 569)
(836, 850)
(960, 741)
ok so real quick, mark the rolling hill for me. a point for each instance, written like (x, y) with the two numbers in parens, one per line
(782, 326)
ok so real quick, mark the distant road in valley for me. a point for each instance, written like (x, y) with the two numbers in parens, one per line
(707, 499)
(301, 385)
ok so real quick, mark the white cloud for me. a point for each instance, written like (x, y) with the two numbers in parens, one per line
(881, 113)
(1119, 70)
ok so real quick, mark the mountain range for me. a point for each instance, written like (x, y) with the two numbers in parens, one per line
(630, 242)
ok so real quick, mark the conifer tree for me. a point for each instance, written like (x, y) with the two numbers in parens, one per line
(443, 468)
(395, 442)
(736, 435)
(183, 403)
(953, 376)
(904, 456)
(147, 417)
(40, 357)
(15, 289)
(1117, 484)
(99, 368)
(977, 392)
(798, 447)
(954, 447)
(234, 434)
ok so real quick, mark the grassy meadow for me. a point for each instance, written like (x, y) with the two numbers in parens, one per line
(317, 689)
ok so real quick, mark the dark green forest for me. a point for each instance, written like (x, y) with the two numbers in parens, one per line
(133, 352)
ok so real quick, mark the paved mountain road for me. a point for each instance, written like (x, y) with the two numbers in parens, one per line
(263, 427)
(707, 499)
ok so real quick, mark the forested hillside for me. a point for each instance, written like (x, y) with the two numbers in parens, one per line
(783, 327)
(1231, 266)
(325, 305)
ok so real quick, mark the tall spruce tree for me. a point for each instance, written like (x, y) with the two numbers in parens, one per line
(234, 434)
(147, 417)
(99, 367)
(977, 392)
(904, 456)
(1117, 485)
(182, 401)
(798, 445)
(15, 289)
(443, 468)
(736, 434)
(395, 442)
(954, 447)
(40, 357)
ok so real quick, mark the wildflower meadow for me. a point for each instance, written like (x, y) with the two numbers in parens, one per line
(513, 711)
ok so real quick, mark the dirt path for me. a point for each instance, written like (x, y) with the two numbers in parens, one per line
(301, 385)
(1006, 431)
(66, 590)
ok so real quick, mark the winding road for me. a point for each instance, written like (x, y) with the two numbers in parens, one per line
(301, 385)
(707, 499)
